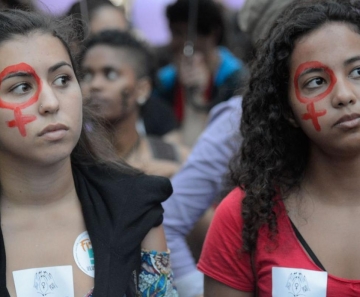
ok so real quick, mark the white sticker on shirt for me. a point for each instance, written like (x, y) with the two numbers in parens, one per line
(46, 281)
(84, 254)
(295, 282)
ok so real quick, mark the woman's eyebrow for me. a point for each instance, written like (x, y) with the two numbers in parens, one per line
(17, 74)
(58, 65)
(22, 73)
(311, 70)
(352, 60)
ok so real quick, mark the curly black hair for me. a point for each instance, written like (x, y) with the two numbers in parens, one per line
(138, 52)
(274, 154)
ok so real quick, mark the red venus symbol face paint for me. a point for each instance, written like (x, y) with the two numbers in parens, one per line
(20, 120)
(312, 113)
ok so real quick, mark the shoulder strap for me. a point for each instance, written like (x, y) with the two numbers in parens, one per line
(307, 247)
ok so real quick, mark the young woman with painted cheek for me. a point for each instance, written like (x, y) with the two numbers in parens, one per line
(325, 87)
(41, 105)
(64, 198)
(290, 227)
(39, 141)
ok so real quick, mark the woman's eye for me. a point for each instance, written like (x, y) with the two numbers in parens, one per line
(112, 75)
(355, 73)
(62, 81)
(21, 89)
(315, 83)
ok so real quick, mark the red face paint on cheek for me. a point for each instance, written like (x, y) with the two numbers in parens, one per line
(313, 114)
(21, 120)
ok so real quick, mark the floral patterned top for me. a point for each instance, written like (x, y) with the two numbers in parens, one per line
(156, 277)
(90, 293)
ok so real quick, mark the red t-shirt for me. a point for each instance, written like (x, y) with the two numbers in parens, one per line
(283, 268)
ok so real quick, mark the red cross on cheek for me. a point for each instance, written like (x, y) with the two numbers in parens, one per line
(20, 120)
(313, 114)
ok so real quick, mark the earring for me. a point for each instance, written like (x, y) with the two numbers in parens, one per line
(141, 100)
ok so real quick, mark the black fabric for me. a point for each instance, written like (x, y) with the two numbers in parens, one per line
(307, 247)
(158, 117)
(3, 290)
(119, 210)
(162, 150)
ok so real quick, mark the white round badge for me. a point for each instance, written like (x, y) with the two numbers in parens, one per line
(84, 254)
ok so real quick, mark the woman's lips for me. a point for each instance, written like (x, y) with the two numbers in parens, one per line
(54, 131)
(348, 121)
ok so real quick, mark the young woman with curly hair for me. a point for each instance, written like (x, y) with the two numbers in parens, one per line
(290, 228)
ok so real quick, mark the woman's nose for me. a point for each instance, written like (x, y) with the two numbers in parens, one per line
(344, 93)
(48, 100)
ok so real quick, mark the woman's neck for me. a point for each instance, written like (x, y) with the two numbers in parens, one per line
(125, 136)
(333, 179)
(24, 185)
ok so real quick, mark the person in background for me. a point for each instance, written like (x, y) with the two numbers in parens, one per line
(155, 117)
(207, 165)
(91, 224)
(192, 85)
(256, 17)
(196, 187)
(116, 79)
(108, 16)
(290, 227)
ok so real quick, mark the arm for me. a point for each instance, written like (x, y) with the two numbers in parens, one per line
(196, 186)
(156, 278)
(228, 270)
(155, 240)
(214, 288)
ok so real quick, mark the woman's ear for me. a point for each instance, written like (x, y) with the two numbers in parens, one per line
(291, 119)
(289, 116)
(143, 90)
